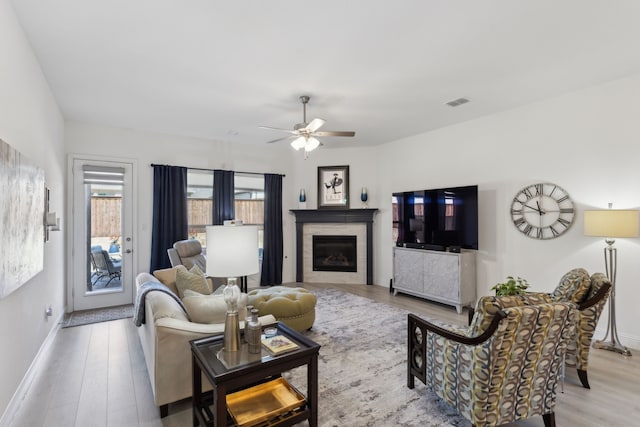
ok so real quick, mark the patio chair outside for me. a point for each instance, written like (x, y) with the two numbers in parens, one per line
(105, 266)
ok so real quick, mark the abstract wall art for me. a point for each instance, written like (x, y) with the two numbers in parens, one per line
(22, 205)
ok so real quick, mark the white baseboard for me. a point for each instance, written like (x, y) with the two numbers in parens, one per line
(27, 380)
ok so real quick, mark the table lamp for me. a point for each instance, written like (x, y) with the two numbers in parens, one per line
(611, 223)
(232, 252)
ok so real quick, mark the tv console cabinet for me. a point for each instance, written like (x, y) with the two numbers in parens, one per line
(445, 277)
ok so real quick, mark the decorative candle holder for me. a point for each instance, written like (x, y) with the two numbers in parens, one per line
(364, 196)
(302, 199)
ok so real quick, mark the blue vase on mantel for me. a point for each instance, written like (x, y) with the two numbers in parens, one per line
(364, 197)
(302, 199)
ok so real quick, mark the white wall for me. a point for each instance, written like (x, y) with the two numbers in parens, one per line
(586, 142)
(30, 122)
(147, 148)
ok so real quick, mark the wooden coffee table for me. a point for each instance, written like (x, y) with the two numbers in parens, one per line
(230, 372)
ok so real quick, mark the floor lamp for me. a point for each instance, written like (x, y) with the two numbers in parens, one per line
(610, 224)
(232, 252)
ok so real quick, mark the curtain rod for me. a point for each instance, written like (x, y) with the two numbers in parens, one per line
(211, 170)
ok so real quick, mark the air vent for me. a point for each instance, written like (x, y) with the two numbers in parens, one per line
(457, 102)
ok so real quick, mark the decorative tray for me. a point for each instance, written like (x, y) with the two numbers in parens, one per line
(254, 405)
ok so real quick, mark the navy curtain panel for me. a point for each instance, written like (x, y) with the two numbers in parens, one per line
(272, 238)
(223, 196)
(170, 222)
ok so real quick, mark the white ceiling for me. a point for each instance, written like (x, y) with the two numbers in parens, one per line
(217, 69)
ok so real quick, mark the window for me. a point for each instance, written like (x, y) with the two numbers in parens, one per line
(104, 186)
(249, 202)
(199, 203)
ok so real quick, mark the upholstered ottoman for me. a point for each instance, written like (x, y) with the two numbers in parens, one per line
(295, 307)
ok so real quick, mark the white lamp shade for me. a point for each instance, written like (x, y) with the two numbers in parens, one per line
(611, 223)
(232, 250)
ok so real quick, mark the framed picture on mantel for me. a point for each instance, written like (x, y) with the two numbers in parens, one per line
(333, 187)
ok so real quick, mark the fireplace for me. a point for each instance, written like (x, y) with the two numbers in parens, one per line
(332, 222)
(335, 253)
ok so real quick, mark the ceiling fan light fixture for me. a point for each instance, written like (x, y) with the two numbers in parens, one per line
(304, 133)
(312, 144)
(298, 143)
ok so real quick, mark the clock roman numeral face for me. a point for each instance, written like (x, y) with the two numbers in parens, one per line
(542, 211)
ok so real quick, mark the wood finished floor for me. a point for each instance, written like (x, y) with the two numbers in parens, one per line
(95, 376)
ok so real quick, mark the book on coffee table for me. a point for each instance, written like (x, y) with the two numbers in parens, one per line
(279, 344)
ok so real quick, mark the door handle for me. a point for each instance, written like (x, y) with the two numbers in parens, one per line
(128, 251)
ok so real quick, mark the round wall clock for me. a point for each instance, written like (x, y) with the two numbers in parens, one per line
(542, 211)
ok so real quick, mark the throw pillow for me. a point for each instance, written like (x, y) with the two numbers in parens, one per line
(167, 277)
(193, 279)
(210, 308)
(191, 293)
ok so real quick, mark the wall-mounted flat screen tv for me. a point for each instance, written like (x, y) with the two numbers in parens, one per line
(439, 219)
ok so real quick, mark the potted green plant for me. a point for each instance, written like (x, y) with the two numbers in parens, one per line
(513, 286)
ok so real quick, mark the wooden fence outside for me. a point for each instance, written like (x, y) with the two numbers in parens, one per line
(106, 214)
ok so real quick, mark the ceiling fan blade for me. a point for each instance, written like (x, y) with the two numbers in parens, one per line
(279, 129)
(315, 125)
(334, 133)
(280, 139)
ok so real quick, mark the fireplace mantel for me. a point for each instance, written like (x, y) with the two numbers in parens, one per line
(361, 216)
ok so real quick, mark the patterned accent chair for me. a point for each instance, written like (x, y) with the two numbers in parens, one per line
(504, 367)
(590, 293)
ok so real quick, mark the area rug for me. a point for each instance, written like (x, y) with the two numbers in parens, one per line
(362, 370)
(78, 318)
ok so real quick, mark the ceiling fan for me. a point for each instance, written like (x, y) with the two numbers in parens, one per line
(304, 133)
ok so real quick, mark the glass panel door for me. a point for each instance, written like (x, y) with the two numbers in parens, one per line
(102, 242)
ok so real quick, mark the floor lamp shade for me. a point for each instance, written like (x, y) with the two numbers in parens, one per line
(232, 250)
(611, 223)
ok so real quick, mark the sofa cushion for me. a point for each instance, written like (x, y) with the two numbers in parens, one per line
(193, 279)
(573, 286)
(162, 305)
(210, 308)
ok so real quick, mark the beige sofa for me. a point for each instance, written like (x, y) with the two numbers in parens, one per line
(165, 337)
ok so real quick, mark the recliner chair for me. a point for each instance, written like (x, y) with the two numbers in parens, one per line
(187, 253)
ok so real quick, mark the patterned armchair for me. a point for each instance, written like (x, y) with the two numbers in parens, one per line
(502, 368)
(590, 294)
